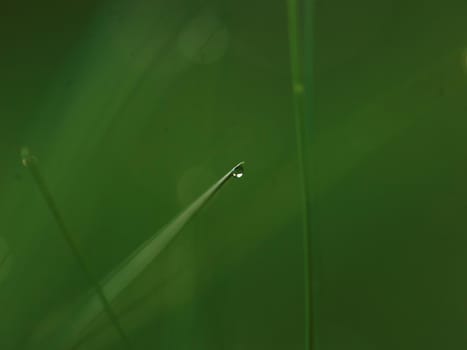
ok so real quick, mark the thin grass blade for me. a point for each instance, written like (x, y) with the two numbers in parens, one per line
(30, 162)
(297, 54)
(120, 278)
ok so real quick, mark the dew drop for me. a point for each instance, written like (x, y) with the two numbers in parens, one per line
(26, 157)
(238, 171)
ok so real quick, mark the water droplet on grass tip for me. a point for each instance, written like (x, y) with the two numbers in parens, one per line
(238, 171)
(25, 156)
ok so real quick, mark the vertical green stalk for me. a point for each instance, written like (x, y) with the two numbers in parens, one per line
(296, 60)
(305, 127)
(30, 162)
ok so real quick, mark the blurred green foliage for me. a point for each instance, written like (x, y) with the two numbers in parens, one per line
(134, 108)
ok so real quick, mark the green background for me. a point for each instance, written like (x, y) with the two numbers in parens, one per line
(135, 107)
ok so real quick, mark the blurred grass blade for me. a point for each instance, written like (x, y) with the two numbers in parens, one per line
(298, 89)
(30, 162)
(311, 247)
(147, 252)
(135, 264)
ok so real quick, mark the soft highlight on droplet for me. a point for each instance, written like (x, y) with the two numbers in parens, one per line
(238, 171)
(26, 157)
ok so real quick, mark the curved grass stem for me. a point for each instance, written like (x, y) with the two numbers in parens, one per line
(30, 162)
(298, 89)
(70, 333)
